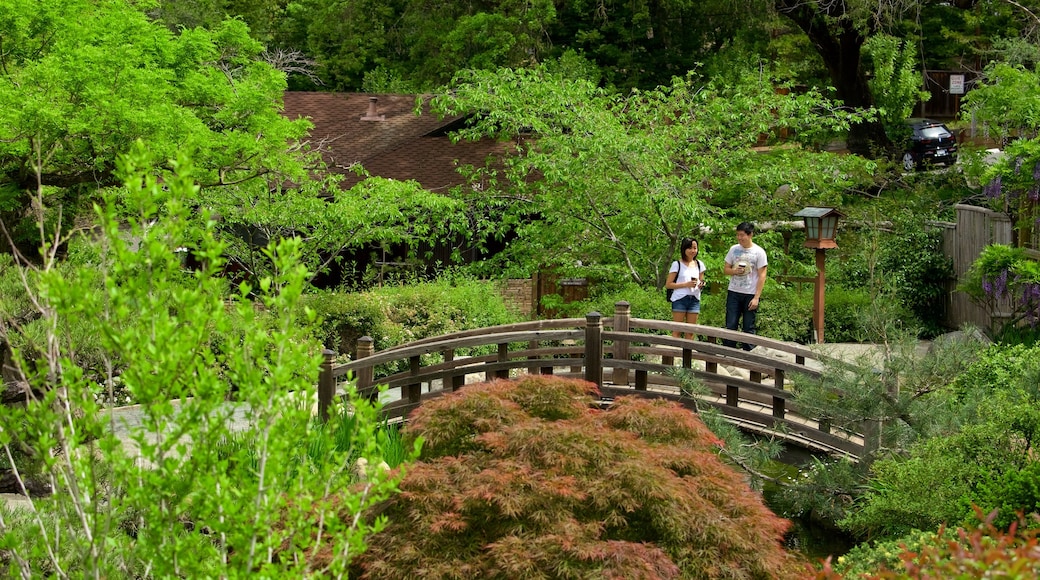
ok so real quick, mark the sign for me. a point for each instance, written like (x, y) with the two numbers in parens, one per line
(956, 84)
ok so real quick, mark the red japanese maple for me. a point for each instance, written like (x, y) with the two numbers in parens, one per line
(523, 479)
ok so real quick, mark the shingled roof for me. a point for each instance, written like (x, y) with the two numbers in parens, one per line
(382, 133)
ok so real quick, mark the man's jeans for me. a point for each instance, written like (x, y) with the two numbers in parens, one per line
(737, 305)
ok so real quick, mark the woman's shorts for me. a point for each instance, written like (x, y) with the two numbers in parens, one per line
(688, 303)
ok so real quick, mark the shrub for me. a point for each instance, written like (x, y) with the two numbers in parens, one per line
(997, 368)
(395, 315)
(982, 551)
(907, 264)
(529, 478)
(171, 503)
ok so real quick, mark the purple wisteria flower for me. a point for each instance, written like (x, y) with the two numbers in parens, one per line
(992, 189)
(1036, 171)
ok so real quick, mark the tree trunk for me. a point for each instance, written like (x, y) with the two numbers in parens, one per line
(839, 43)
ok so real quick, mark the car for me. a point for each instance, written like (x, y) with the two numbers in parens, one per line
(930, 143)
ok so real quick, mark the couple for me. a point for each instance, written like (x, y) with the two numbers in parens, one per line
(745, 265)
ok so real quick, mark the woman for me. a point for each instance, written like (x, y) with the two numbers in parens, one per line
(685, 279)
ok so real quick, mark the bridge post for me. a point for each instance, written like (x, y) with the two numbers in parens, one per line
(365, 349)
(594, 348)
(503, 356)
(326, 385)
(457, 381)
(413, 391)
(622, 318)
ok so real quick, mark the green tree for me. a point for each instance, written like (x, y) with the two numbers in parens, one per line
(615, 182)
(171, 504)
(895, 81)
(86, 81)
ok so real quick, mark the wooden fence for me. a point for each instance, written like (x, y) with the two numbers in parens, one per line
(622, 355)
(963, 242)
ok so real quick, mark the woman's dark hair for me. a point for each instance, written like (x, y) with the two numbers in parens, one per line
(688, 243)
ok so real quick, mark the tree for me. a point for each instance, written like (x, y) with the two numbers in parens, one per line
(178, 501)
(529, 478)
(86, 81)
(616, 181)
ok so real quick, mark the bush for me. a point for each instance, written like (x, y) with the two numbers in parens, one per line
(158, 497)
(908, 264)
(997, 368)
(395, 315)
(530, 479)
(982, 551)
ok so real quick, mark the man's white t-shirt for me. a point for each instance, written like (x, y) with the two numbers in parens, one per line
(755, 257)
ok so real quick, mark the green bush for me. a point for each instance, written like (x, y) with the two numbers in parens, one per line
(997, 368)
(785, 313)
(395, 315)
(907, 264)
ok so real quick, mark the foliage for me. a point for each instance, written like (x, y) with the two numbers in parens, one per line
(996, 368)
(168, 503)
(622, 179)
(1012, 182)
(69, 106)
(1002, 278)
(822, 493)
(906, 264)
(529, 478)
(987, 462)
(84, 81)
(895, 82)
(981, 551)
(844, 313)
(896, 387)
(871, 558)
(395, 315)
(751, 455)
(1001, 100)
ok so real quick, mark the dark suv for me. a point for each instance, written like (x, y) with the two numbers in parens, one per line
(931, 143)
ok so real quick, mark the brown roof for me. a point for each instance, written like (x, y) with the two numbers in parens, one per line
(393, 143)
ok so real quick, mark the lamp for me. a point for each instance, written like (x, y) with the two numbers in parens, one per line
(821, 224)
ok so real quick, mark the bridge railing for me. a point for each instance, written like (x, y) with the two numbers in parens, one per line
(622, 355)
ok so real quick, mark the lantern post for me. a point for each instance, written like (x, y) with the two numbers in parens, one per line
(821, 225)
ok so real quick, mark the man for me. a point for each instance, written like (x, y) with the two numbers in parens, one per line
(746, 267)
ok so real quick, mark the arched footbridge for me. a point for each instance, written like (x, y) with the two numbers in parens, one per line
(621, 354)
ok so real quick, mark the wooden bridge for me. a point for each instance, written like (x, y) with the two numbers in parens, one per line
(623, 355)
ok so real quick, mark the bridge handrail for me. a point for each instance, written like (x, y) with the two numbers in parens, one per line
(583, 345)
(554, 324)
(484, 339)
(725, 334)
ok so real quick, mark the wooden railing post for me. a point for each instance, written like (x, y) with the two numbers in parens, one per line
(413, 391)
(594, 348)
(622, 323)
(326, 385)
(365, 349)
(503, 356)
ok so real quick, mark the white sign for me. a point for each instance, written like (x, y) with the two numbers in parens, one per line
(956, 84)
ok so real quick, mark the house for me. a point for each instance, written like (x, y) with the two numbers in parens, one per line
(383, 134)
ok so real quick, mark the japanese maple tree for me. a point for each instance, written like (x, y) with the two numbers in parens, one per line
(530, 478)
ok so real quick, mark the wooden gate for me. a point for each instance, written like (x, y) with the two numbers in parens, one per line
(943, 104)
(569, 289)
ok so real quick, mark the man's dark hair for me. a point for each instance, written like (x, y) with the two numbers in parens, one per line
(746, 227)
